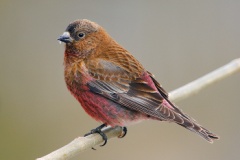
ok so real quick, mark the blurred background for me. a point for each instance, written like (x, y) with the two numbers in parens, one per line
(178, 41)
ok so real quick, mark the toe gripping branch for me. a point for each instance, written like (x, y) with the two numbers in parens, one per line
(103, 135)
(99, 131)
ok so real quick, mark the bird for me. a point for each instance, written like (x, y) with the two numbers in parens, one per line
(112, 86)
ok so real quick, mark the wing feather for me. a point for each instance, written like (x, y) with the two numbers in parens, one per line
(139, 91)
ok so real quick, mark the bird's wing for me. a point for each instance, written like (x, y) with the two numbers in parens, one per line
(158, 86)
(134, 91)
(139, 92)
(143, 94)
(165, 95)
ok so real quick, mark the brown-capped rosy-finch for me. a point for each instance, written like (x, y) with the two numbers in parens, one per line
(112, 86)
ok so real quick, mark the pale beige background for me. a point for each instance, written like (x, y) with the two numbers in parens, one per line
(178, 41)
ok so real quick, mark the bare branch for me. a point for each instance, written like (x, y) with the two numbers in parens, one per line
(203, 82)
(83, 143)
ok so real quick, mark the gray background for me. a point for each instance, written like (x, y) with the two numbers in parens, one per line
(178, 41)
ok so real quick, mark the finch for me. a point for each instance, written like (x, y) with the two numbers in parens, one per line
(112, 86)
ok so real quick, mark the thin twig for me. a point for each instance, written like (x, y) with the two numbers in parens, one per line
(83, 143)
(203, 82)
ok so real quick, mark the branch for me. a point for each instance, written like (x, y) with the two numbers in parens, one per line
(203, 82)
(83, 143)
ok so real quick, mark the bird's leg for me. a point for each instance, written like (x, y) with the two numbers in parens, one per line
(99, 131)
(124, 132)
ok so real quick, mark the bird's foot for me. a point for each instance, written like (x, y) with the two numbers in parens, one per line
(99, 131)
(124, 132)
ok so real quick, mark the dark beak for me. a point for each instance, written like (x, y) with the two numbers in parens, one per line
(65, 37)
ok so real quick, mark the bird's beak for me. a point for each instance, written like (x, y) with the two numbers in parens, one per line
(65, 37)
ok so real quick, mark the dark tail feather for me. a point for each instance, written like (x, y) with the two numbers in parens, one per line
(190, 124)
(186, 121)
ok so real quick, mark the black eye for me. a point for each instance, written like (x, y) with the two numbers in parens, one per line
(81, 35)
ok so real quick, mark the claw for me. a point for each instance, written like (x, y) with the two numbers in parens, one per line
(124, 132)
(104, 138)
(99, 131)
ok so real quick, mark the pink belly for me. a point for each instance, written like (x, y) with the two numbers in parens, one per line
(107, 111)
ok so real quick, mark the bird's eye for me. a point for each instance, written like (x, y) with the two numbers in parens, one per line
(81, 35)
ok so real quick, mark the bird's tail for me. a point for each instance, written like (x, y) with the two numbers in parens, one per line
(191, 124)
(172, 113)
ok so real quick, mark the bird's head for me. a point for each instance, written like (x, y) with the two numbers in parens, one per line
(82, 37)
